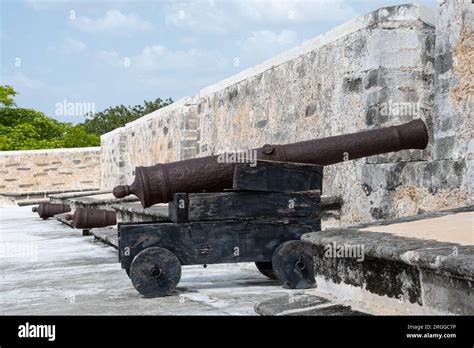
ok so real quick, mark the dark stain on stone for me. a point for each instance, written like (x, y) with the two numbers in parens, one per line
(459, 168)
(384, 279)
(372, 79)
(165, 130)
(431, 169)
(379, 276)
(352, 85)
(395, 176)
(371, 115)
(367, 189)
(444, 62)
(311, 109)
(233, 94)
(378, 213)
(261, 123)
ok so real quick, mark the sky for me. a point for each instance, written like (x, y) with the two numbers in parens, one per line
(65, 57)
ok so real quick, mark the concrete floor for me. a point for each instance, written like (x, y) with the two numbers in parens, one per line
(48, 268)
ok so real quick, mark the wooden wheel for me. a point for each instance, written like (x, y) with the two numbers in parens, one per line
(293, 264)
(266, 269)
(155, 272)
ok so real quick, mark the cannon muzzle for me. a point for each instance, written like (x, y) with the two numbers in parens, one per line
(156, 184)
(46, 210)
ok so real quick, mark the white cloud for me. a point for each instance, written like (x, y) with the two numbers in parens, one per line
(266, 39)
(113, 21)
(20, 81)
(73, 46)
(263, 44)
(201, 16)
(224, 17)
(160, 59)
(70, 46)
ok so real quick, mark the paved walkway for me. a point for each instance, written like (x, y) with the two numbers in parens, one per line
(49, 268)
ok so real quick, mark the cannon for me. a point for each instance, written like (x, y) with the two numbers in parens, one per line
(158, 183)
(46, 210)
(91, 218)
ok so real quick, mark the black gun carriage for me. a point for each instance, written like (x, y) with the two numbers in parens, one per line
(247, 214)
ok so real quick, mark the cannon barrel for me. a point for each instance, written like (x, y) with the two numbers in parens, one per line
(157, 183)
(46, 210)
(91, 218)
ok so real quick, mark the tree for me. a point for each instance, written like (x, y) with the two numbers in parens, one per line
(6, 95)
(117, 116)
(26, 129)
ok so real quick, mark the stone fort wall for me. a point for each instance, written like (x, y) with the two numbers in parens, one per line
(50, 170)
(387, 67)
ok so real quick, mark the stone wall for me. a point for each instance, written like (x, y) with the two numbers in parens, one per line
(454, 90)
(168, 134)
(49, 170)
(376, 70)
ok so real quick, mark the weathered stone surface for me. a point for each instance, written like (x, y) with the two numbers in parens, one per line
(50, 170)
(134, 212)
(414, 270)
(303, 305)
(100, 201)
(454, 86)
(64, 198)
(384, 68)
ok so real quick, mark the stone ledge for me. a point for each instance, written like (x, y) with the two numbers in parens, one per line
(433, 274)
(107, 235)
(66, 197)
(303, 305)
(134, 212)
(48, 192)
(100, 201)
(49, 151)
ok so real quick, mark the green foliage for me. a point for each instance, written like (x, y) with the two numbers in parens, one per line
(26, 129)
(117, 116)
(31, 129)
(6, 96)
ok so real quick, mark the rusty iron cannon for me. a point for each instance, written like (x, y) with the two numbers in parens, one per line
(46, 210)
(157, 183)
(91, 218)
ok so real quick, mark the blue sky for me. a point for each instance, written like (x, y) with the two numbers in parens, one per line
(112, 52)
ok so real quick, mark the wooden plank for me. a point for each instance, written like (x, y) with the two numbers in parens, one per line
(213, 242)
(277, 177)
(244, 205)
